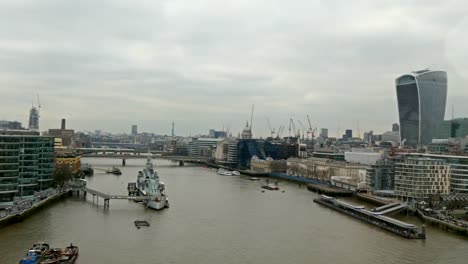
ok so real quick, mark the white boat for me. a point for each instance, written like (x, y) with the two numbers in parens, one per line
(224, 172)
(148, 185)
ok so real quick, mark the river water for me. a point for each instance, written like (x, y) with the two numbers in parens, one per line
(217, 219)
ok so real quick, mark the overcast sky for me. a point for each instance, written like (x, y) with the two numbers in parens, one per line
(110, 64)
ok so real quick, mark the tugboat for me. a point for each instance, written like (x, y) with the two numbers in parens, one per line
(87, 170)
(36, 252)
(148, 185)
(69, 255)
(52, 256)
(114, 171)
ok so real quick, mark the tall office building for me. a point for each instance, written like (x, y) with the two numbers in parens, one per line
(348, 134)
(324, 133)
(395, 127)
(134, 130)
(33, 119)
(421, 99)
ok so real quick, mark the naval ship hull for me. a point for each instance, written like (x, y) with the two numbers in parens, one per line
(157, 205)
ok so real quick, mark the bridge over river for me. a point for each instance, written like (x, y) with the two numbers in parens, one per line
(124, 154)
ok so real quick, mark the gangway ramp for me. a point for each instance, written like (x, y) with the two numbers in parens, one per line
(108, 197)
(391, 209)
(385, 207)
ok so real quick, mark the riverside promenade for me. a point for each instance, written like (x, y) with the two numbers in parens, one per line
(20, 210)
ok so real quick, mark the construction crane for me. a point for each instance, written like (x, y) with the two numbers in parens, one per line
(272, 131)
(38, 102)
(292, 126)
(310, 128)
(251, 118)
(280, 131)
(305, 129)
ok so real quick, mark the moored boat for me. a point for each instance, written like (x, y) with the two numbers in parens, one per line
(36, 252)
(51, 256)
(69, 255)
(149, 186)
(271, 187)
(114, 170)
(224, 172)
(87, 170)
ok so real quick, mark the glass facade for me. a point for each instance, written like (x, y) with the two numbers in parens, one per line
(456, 128)
(421, 105)
(26, 165)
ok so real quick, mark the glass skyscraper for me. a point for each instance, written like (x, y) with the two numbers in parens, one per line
(421, 99)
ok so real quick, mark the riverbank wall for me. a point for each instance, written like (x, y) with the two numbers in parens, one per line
(19, 217)
(298, 179)
(443, 224)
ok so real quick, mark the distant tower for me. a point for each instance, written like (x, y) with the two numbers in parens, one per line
(34, 119)
(172, 133)
(395, 127)
(64, 122)
(134, 130)
(349, 133)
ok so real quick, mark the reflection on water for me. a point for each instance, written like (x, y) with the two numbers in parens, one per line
(217, 219)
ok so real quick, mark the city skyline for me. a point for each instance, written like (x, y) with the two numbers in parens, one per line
(154, 63)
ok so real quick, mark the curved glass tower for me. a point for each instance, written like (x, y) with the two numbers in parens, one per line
(421, 99)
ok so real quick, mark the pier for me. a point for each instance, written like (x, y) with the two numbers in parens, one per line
(324, 189)
(374, 218)
(81, 190)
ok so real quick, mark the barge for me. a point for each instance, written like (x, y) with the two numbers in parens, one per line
(395, 226)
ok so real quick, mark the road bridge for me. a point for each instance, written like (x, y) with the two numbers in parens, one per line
(180, 159)
(127, 153)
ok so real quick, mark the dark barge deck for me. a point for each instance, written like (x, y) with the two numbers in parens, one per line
(400, 228)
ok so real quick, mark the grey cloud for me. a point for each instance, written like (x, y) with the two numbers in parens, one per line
(107, 64)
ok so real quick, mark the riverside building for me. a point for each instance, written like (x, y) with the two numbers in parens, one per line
(26, 164)
(420, 177)
(458, 170)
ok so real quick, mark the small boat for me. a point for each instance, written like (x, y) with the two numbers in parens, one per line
(114, 170)
(69, 255)
(87, 170)
(36, 252)
(52, 256)
(224, 172)
(271, 187)
(254, 179)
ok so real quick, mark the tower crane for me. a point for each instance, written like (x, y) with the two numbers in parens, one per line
(305, 129)
(272, 131)
(280, 131)
(293, 126)
(310, 128)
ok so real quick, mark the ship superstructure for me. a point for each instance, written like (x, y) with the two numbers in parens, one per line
(148, 185)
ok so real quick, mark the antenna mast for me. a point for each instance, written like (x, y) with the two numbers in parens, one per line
(251, 118)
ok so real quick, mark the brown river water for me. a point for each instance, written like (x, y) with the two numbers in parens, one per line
(217, 219)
